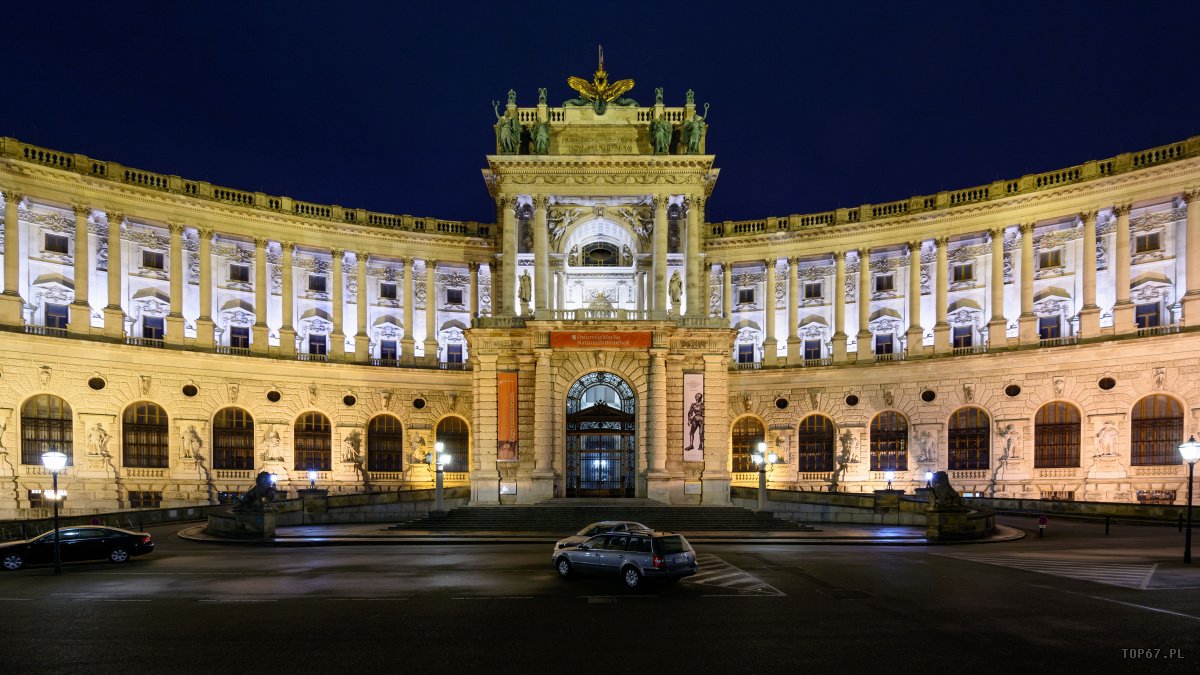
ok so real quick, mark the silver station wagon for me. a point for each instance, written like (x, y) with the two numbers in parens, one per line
(633, 556)
(600, 528)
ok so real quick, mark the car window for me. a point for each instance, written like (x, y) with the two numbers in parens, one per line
(616, 543)
(640, 544)
(671, 544)
(595, 542)
(92, 534)
(590, 530)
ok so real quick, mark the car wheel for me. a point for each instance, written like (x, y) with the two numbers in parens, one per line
(13, 561)
(564, 567)
(119, 555)
(631, 577)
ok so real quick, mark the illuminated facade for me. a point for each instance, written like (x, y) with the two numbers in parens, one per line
(1035, 337)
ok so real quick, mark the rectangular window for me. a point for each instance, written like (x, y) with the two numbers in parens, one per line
(885, 283)
(387, 350)
(454, 296)
(239, 337)
(812, 291)
(56, 316)
(387, 290)
(1146, 243)
(964, 272)
(745, 354)
(1049, 259)
(884, 343)
(56, 243)
(812, 349)
(38, 499)
(1145, 316)
(145, 499)
(454, 354)
(153, 260)
(153, 327)
(316, 344)
(1049, 327)
(316, 283)
(962, 336)
(239, 273)
(745, 296)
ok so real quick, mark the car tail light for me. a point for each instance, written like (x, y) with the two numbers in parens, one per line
(146, 539)
(657, 561)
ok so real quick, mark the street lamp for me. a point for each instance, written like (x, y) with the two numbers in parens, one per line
(55, 461)
(888, 476)
(440, 461)
(1190, 452)
(928, 479)
(312, 479)
(764, 460)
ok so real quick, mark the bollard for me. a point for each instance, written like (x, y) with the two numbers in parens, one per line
(1106, 519)
(1041, 526)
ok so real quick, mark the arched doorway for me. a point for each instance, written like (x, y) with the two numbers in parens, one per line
(601, 441)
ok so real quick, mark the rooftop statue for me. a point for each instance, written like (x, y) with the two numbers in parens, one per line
(660, 136)
(693, 131)
(508, 131)
(540, 135)
(599, 92)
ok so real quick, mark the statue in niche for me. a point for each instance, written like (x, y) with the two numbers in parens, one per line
(676, 290)
(693, 131)
(191, 443)
(1106, 440)
(842, 460)
(1012, 440)
(97, 441)
(660, 136)
(849, 442)
(573, 256)
(540, 134)
(524, 292)
(626, 256)
(925, 441)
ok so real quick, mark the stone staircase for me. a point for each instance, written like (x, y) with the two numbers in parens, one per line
(567, 516)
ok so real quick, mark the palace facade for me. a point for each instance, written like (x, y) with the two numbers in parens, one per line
(1037, 337)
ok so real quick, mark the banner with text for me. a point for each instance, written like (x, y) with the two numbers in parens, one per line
(693, 417)
(507, 423)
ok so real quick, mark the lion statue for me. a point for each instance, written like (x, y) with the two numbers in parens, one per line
(943, 496)
(257, 497)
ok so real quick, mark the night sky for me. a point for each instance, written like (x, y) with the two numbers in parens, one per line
(389, 108)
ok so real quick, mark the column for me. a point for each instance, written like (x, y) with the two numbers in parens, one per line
(695, 305)
(866, 350)
(1028, 320)
(656, 459)
(941, 329)
(543, 427)
(507, 289)
(770, 344)
(258, 332)
(795, 354)
(541, 255)
(11, 304)
(998, 324)
(409, 341)
(362, 340)
(715, 479)
(562, 290)
(176, 270)
(1123, 310)
(287, 331)
(1089, 313)
(114, 316)
(473, 291)
(485, 477)
(659, 296)
(839, 307)
(204, 322)
(727, 289)
(916, 334)
(431, 302)
(1191, 299)
(81, 308)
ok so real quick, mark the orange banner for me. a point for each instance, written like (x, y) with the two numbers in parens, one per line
(506, 412)
(601, 339)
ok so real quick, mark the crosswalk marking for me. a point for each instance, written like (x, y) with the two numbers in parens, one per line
(716, 572)
(1126, 575)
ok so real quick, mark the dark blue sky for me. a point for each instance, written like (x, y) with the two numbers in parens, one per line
(812, 107)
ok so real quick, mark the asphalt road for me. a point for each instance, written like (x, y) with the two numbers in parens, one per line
(1074, 601)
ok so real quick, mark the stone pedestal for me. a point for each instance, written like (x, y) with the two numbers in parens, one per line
(81, 319)
(174, 329)
(997, 334)
(887, 500)
(658, 487)
(715, 492)
(242, 524)
(957, 524)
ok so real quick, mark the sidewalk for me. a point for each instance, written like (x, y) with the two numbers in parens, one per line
(378, 534)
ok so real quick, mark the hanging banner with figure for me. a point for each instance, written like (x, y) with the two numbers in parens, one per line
(506, 413)
(693, 417)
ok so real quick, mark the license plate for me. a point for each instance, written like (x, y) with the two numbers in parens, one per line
(681, 559)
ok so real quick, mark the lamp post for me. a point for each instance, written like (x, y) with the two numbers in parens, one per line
(439, 460)
(889, 475)
(764, 460)
(1190, 452)
(928, 479)
(312, 479)
(54, 462)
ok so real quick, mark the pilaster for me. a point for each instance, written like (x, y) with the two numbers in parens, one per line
(176, 270)
(660, 254)
(258, 332)
(1028, 320)
(408, 341)
(715, 479)
(204, 322)
(1089, 313)
(795, 355)
(362, 340)
(770, 344)
(1191, 299)
(287, 331)
(485, 478)
(695, 304)
(541, 254)
(941, 329)
(1123, 310)
(866, 350)
(727, 289)
(114, 316)
(430, 344)
(839, 307)
(81, 309)
(997, 324)
(543, 427)
(916, 334)
(11, 304)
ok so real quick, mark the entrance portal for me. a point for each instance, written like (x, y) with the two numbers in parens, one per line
(601, 440)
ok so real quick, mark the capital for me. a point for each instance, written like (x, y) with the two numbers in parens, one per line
(361, 257)
(659, 201)
(176, 229)
(507, 201)
(206, 233)
(430, 264)
(1187, 197)
(338, 254)
(1088, 217)
(941, 242)
(81, 210)
(11, 196)
(914, 247)
(1122, 209)
(863, 253)
(996, 233)
(473, 267)
(839, 256)
(115, 218)
(1026, 228)
(261, 242)
(540, 201)
(287, 247)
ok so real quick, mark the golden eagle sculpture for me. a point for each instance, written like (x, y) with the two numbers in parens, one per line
(599, 91)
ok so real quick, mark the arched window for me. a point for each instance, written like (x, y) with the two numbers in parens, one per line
(385, 444)
(1056, 436)
(233, 439)
(144, 436)
(314, 441)
(889, 442)
(45, 426)
(1157, 431)
(814, 447)
(455, 437)
(970, 447)
(747, 434)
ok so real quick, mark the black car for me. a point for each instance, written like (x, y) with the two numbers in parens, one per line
(77, 543)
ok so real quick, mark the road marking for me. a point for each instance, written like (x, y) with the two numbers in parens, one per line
(233, 600)
(717, 570)
(1127, 604)
(492, 597)
(1125, 575)
(14, 599)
